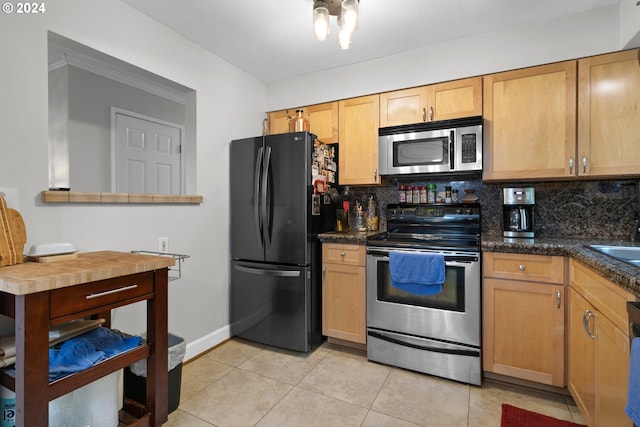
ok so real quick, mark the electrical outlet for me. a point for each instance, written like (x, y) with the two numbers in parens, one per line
(163, 244)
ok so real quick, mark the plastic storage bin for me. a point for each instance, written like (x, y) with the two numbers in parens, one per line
(135, 375)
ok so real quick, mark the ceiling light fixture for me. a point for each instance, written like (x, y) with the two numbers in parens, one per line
(348, 17)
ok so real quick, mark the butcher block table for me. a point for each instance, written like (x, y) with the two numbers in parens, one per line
(42, 294)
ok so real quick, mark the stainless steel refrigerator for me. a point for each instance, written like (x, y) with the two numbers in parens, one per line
(276, 214)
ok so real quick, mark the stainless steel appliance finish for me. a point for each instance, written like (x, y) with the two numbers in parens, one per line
(436, 334)
(517, 212)
(275, 289)
(444, 147)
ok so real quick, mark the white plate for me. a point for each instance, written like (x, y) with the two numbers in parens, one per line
(46, 249)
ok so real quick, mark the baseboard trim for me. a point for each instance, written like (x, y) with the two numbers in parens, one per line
(204, 344)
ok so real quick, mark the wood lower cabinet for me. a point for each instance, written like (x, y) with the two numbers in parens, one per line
(441, 101)
(343, 292)
(358, 134)
(598, 347)
(609, 114)
(523, 317)
(530, 123)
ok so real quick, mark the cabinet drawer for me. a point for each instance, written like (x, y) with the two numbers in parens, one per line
(104, 293)
(606, 297)
(537, 268)
(339, 253)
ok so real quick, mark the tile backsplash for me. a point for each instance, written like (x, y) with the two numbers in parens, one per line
(589, 209)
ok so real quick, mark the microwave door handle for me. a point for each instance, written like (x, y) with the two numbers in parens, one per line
(452, 150)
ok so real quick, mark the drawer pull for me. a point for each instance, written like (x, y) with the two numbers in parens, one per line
(112, 291)
(342, 254)
(558, 298)
(521, 267)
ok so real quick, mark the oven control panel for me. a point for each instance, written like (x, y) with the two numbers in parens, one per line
(418, 213)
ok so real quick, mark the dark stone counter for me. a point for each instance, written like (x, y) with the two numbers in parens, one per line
(624, 275)
(352, 237)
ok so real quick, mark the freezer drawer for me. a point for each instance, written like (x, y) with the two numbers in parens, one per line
(274, 305)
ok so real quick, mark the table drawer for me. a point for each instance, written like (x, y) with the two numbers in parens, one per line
(103, 293)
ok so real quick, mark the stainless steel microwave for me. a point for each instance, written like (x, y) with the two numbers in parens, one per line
(444, 147)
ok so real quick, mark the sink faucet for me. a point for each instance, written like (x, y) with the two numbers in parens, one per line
(636, 230)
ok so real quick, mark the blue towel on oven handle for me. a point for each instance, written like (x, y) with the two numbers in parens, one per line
(419, 273)
(633, 397)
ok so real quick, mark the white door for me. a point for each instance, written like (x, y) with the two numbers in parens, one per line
(147, 155)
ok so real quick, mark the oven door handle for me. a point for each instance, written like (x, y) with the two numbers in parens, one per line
(380, 336)
(449, 259)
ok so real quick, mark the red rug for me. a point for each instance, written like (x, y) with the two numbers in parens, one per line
(518, 417)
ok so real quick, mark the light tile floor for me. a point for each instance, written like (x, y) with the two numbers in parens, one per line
(246, 384)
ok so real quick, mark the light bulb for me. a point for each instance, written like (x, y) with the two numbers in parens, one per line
(321, 27)
(349, 15)
(344, 39)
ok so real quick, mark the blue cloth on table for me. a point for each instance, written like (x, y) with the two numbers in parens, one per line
(633, 398)
(419, 273)
(82, 352)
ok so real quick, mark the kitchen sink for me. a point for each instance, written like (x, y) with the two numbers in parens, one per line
(628, 254)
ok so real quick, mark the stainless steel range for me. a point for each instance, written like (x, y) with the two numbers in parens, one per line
(436, 334)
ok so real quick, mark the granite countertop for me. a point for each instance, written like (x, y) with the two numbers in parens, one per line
(31, 277)
(622, 274)
(351, 237)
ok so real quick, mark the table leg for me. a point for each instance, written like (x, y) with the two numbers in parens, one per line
(32, 359)
(157, 363)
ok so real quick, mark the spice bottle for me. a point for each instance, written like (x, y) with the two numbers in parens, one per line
(402, 196)
(416, 195)
(431, 193)
(454, 196)
(423, 194)
(447, 194)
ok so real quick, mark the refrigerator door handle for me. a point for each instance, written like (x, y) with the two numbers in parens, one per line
(256, 196)
(263, 272)
(266, 219)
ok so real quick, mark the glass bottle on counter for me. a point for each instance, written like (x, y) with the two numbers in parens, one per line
(402, 195)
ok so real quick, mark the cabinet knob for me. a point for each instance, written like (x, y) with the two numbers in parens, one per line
(342, 254)
(584, 164)
(424, 114)
(558, 298)
(430, 113)
(571, 162)
(522, 267)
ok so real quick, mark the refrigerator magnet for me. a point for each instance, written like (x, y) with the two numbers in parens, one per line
(315, 204)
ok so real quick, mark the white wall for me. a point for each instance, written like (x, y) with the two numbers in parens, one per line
(629, 24)
(230, 104)
(586, 34)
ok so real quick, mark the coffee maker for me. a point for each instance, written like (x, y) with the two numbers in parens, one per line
(517, 211)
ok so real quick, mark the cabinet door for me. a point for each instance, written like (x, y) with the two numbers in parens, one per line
(530, 122)
(358, 129)
(609, 114)
(279, 121)
(403, 107)
(582, 355)
(455, 99)
(612, 374)
(323, 121)
(343, 302)
(524, 330)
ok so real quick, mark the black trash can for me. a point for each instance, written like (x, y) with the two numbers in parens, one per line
(135, 375)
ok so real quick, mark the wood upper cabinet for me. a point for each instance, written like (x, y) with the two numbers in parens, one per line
(442, 101)
(530, 123)
(358, 136)
(323, 121)
(523, 316)
(343, 292)
(609, 114)
(598, 352)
